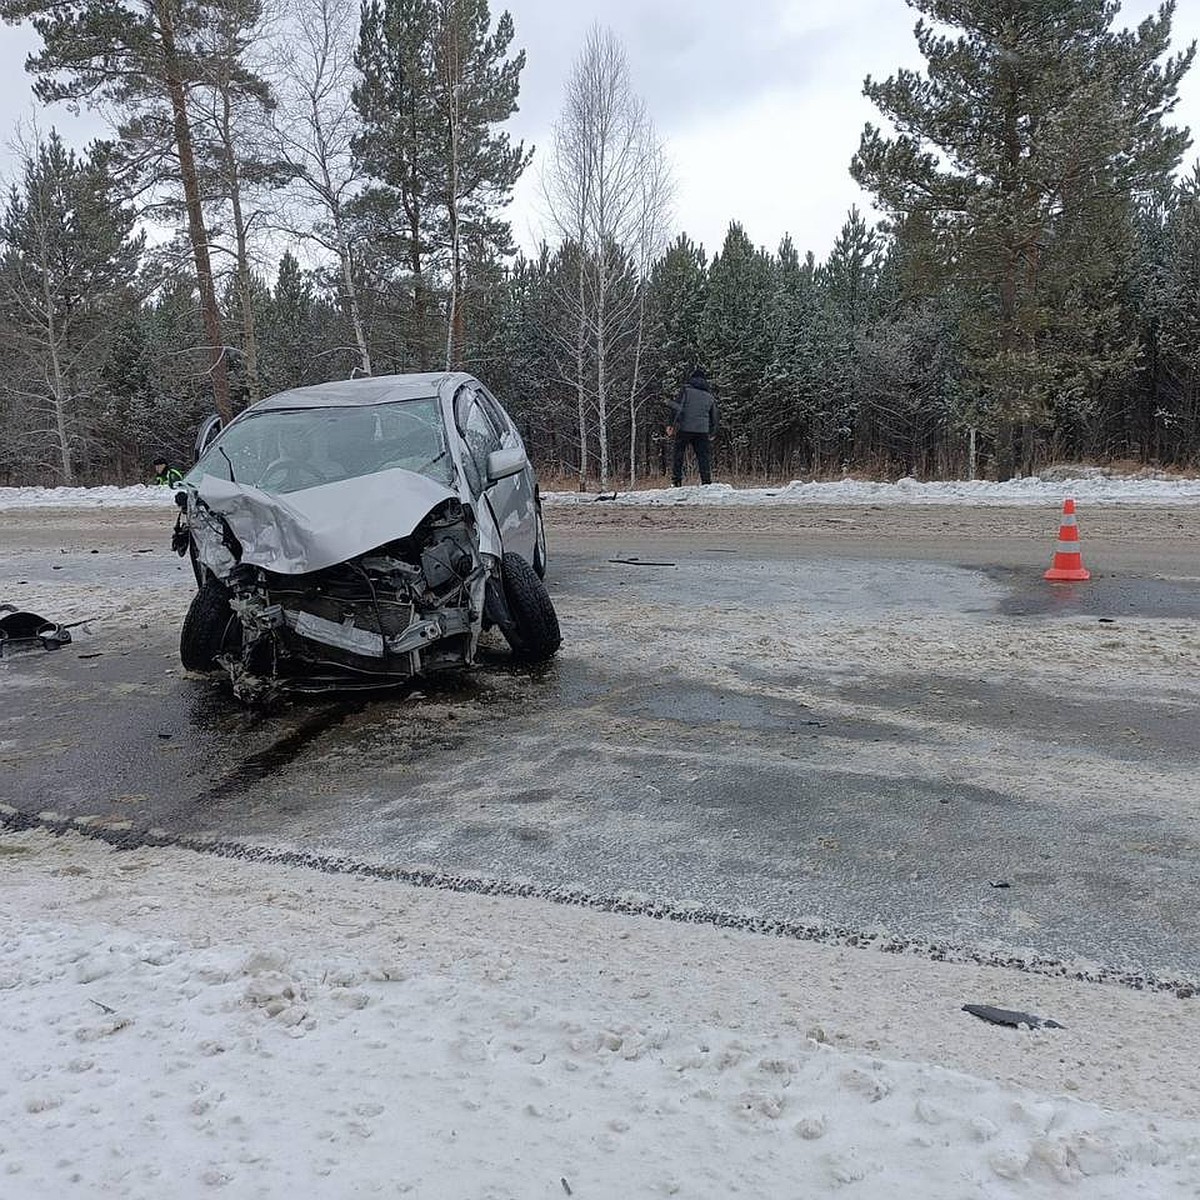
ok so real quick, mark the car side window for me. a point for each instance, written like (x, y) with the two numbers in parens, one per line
(500, 418)
(481, 437)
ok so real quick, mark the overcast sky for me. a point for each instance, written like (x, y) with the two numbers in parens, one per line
(759, 101)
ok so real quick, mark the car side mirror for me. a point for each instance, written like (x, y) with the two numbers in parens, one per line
(503, 463)
(181, 501)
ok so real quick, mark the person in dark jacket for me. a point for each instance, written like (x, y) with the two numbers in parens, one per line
(693, 423)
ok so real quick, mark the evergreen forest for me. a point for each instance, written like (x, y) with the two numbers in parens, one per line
(290, 196)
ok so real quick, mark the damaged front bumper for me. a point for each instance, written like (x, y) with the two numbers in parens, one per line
(412, 606)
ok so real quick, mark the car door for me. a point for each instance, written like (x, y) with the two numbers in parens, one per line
(512, 499)
(484, 428)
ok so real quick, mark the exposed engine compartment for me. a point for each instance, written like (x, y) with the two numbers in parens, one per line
(411, 606)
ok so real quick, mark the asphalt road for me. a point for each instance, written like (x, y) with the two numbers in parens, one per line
(843, 722)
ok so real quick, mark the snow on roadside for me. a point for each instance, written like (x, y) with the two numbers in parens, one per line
(138, 496)
(1092, 487)
(176, 1024)
(1012, 492)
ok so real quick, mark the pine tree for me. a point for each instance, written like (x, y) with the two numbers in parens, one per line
(68, 261)
(1177, 415)
(678, 294)
(141, 57)
(676, 298)
(532, 363)
(1025, 144)
(174, 331)
(477, 88)
(736, 337)
(397, 149)
(436, 84)
(791, 381)
(847, 302)
(235, 160)
(127, 400)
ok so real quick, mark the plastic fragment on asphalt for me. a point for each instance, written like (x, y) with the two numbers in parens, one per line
(1010, 1017)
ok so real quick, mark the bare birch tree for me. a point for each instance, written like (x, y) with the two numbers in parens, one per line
(653, 235)
(315, 122)
(566, 185)
(607, 189)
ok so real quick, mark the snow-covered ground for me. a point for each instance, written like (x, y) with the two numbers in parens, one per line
(1093, 490)
(1094, 487)
(182, 1025)
(139, 496)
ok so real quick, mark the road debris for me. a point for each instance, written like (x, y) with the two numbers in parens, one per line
(1010, 1017)
(26, 630)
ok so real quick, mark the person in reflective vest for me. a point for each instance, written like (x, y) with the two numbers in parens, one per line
(166, 475)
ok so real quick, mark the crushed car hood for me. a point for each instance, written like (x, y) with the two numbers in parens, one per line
(320, 526)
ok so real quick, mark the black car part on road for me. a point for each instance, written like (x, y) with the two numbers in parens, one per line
(23, 630)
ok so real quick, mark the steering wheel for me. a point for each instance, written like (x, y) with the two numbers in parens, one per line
(289, 473)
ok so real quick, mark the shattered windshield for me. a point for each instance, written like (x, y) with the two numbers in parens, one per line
(287, 450)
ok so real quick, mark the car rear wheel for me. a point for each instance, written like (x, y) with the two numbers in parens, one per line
(533, 632)
(208, 629)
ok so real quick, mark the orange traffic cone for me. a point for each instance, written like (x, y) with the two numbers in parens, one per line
(1068, 561)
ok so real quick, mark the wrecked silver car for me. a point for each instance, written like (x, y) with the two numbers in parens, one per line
(362, 533)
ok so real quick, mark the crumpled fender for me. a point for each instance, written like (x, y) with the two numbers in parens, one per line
(491, 542)
(321, 526)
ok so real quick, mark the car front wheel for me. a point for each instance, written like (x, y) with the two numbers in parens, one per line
(208, 629)
(533, 632)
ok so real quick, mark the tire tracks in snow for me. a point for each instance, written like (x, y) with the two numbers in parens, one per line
(124, 835)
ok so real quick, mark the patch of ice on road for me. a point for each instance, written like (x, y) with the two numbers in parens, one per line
(1151, 656)
(767, 652)
(1091, 486)
(470, 1047)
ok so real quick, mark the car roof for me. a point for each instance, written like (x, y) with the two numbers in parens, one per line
(371, 389)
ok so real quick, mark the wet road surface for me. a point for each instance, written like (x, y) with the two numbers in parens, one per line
(648, 763)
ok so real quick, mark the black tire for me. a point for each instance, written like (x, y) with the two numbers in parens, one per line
(207, 628)
(533, 633)
(539, 543)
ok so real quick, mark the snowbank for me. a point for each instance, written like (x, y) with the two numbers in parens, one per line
(138, 496)
(175, 1024)
(1032, 491)
(1092, 488)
